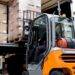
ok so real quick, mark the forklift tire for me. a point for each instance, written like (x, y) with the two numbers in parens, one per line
(57, 73)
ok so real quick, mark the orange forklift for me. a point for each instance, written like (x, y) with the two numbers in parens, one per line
(52, 45)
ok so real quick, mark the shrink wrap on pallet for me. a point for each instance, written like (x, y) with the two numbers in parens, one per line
(16, 16)
(3, 23)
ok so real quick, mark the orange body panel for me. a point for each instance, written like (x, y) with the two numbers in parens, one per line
(54, 60)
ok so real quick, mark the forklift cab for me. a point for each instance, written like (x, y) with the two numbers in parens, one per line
(48, 31)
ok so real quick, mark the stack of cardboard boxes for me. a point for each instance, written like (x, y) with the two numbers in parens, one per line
(13, 20)
(16, 16)
(3, 23)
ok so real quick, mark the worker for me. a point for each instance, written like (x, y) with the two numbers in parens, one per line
(61, 43)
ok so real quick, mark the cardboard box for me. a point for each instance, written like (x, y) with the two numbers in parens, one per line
(3, 27)
(3, 38)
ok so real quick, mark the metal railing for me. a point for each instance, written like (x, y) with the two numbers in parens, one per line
(27, 17)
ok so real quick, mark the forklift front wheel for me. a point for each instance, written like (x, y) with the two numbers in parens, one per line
(57, 73)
